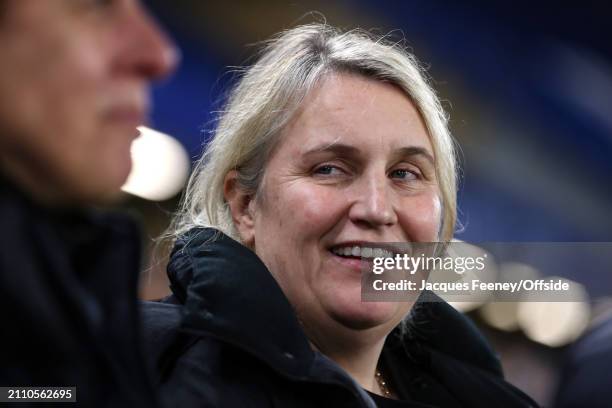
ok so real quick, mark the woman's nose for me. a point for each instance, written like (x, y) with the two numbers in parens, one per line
(372, 204)
(148, 51)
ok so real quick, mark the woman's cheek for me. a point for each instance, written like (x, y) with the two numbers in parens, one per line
(421, 217)
(315, 206)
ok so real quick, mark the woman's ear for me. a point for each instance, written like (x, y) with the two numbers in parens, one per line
(241, 207)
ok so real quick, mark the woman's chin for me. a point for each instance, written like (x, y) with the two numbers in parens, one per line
(341, 301)
(360, 315)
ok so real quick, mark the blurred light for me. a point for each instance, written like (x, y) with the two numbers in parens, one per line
(160, 166)
(461, 249)
(501, 315)
(555, 323)
(504, 315)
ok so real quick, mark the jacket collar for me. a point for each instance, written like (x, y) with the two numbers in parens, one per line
(229, 293)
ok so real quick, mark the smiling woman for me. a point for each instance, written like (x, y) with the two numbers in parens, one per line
(331, 145)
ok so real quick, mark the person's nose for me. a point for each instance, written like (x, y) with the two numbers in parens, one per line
(372, 204)
(149, 52)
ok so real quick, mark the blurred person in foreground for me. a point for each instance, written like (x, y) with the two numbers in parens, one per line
(74, 77)
(331, 144)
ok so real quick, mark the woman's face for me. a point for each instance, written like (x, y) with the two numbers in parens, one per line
(354, 166)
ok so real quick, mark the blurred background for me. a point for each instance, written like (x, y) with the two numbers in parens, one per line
(528, 86)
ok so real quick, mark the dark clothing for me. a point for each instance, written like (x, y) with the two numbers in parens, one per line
(586, 379)
(228, 337)
(68, 303)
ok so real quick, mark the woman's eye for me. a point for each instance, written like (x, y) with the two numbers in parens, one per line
(404, 174)
(326, 170)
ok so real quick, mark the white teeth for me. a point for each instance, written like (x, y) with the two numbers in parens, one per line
(363, 252)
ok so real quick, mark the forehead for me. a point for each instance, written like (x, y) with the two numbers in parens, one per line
(350, 108)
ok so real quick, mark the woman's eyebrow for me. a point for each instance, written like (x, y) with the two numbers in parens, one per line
(345, 150)
(339, 149)
(414, 151)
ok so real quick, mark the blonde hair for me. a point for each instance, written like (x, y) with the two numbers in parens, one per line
(270, 91)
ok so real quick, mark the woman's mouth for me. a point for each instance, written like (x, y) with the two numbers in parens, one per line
(358, 257)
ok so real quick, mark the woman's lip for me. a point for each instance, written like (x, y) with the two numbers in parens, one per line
(390, 246)
(131, 117)
(355, 264)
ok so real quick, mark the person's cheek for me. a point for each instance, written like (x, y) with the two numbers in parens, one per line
(420, 217)
(315, 209)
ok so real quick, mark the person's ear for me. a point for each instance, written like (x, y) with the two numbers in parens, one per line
(241, 207)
